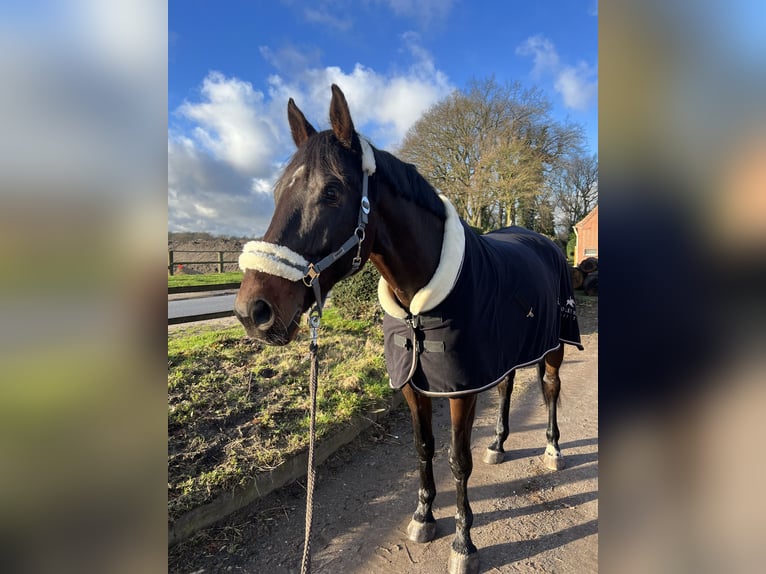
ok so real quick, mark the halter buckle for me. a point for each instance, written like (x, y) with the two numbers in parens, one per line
(311, 274)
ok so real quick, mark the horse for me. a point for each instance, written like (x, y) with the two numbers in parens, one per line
(341, 202)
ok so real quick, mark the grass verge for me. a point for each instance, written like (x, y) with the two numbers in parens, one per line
(237, 407)
(206, 279)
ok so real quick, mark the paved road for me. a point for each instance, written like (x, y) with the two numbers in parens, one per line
(209, 303)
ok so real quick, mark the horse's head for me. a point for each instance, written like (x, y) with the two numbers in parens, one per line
(319, 232)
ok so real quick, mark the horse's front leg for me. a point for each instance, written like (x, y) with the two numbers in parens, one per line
(548, 374)
(495, 451)
(422, 527)
(464, 558)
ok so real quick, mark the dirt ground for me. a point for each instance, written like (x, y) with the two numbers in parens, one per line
(526, 518)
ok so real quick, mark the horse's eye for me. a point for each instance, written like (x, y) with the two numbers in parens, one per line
(330, 195)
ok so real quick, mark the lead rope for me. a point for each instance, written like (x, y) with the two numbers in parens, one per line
(314, 321)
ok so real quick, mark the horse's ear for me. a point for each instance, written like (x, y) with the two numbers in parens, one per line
(340, 118)
(299, 125)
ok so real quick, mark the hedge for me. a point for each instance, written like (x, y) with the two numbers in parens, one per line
(357, 297)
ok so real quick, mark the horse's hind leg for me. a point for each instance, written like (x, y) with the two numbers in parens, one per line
(495, 452)
(548, 374)
(422, 527)
(464, 558)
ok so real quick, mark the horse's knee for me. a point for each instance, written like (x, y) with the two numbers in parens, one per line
(425, 449)
(551, 380)
(461, 464)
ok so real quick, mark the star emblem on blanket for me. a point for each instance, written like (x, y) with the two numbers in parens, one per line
(570, 302)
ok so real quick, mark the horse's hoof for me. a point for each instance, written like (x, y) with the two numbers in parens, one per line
(552, 459)
(463, 563)
(493, 456)
(421, 531)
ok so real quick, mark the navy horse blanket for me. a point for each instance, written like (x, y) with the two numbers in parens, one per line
(510, 304)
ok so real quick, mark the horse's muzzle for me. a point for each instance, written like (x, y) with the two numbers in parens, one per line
(261, 322)
(257, 317)
(258, 313)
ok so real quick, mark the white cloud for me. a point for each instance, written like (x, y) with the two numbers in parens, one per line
(543, 52)
(233, 123)
(206, 211)
(224, 160)
(382, 106)
(322, 16)
(578, 85)
(291, 59)
(208, 194)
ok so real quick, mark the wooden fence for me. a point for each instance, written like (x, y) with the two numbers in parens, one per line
(221, 260)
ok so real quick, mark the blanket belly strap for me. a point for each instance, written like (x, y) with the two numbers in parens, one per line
(423, 345)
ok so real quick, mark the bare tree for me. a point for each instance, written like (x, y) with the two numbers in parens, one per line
(575, 189)
(491, 148)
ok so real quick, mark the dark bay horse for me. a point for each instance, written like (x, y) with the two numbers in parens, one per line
(462, 311)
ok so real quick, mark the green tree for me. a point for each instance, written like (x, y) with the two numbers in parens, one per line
(491, 149)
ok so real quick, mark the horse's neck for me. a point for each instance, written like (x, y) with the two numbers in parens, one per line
(407, 247)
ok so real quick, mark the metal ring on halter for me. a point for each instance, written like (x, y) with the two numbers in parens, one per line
(366, 204)
(312, 274)
(359, 231)
(314, 322)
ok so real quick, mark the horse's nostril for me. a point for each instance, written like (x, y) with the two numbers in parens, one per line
(262, 313)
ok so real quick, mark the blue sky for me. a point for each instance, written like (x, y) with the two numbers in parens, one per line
(232, 65)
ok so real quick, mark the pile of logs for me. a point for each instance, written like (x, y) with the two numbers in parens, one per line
(585, 276)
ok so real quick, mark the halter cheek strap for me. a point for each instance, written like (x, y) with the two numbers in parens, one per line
(313, 270)
(283, 262)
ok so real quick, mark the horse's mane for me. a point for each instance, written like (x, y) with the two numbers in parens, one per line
(405, 180)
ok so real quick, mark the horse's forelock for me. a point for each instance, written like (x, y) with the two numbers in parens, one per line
(320, 157)
(323, 157)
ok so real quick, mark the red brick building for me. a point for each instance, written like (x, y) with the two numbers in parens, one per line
(587, 237)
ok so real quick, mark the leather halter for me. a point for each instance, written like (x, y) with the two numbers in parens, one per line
(312, 271)
(281, 261)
